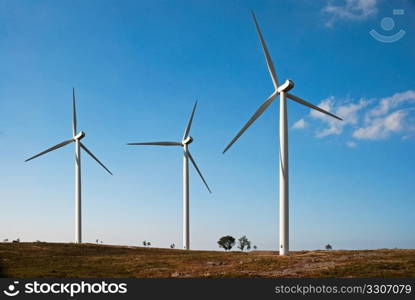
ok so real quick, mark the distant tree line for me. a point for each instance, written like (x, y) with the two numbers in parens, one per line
(13, 241)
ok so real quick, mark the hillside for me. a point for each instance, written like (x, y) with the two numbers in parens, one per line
(90, 260)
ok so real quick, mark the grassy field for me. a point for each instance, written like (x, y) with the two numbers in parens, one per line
(89, 260)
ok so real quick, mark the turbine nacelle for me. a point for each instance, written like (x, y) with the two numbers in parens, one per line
(288, 85)
(187, 140)
(79, 136)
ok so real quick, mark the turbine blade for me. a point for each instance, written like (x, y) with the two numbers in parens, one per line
(198, 171)
(73, 113)
(158, 144)
(94, 157)
(259, 112)
(51, 149)
(268, 59)
(189, 124)
(303, 102)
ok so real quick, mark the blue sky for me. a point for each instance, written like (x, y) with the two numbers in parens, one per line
(138, 66)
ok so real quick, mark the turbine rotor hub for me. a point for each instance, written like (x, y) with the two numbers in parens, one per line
(187, 140)
(79, 136)
(286, 86)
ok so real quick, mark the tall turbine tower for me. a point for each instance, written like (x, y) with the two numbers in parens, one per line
(76, 138)
(281, 90)
(186, 141)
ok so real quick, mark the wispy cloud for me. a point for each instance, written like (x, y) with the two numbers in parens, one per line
(366, 119)
(349, 10)
(382, 127)
(384, 119)
(351, 144)
(348, 112)
(387, 104)
(300, 124)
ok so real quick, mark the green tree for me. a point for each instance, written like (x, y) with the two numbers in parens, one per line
(244, 242)
(226, 242)
(329, 247)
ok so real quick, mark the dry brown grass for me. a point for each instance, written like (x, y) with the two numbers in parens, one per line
(89, 260)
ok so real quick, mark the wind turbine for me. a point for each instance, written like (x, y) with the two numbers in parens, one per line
(76, 138)
(186, 141)
(281, 90)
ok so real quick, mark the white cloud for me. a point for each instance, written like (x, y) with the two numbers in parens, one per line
(382, 127)
(388, 103)
(326, 104)
(333, 128)
(383, 120)
(348, 112)
(367, 119)
(350, 9)
(351, 144)
(300, 124)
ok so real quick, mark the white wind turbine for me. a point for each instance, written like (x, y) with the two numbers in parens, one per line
(281, 90)
(76, 138)
(186, 141)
